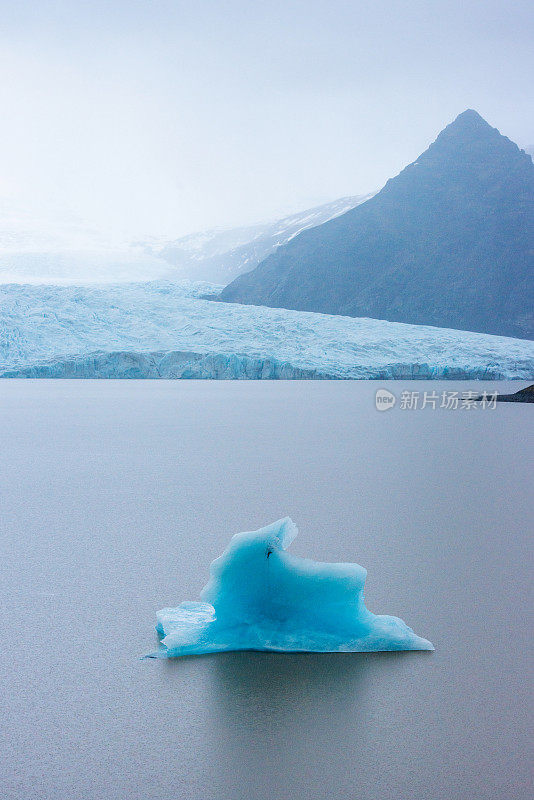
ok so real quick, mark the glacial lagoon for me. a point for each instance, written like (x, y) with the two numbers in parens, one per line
(115, 495)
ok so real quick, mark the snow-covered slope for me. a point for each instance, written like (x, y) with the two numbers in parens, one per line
(69, 252)
(222, 255)
(37, 250)
(166, 330)
(68, 267)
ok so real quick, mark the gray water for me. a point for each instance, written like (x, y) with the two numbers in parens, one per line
(115, 496)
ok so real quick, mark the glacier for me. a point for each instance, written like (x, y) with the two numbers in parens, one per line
(260, 597)
(162, 329)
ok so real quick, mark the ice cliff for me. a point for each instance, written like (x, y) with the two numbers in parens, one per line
(167, 330)
(260, 597)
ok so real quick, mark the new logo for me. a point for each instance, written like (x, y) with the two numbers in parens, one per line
(384, 400)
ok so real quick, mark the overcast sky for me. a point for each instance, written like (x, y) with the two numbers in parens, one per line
(166, 117)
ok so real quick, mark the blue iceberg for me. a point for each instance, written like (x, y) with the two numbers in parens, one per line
(260, 597)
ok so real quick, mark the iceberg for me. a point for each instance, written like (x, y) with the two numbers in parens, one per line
(261, 597)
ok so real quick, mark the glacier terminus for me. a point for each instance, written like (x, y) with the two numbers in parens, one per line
(170, 330)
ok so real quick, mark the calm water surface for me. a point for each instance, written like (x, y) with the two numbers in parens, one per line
(115, 496)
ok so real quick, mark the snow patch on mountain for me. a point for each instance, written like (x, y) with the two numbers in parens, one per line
(69, 252)
(220, 255)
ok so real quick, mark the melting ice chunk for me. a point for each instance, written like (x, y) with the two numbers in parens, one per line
(260, 597)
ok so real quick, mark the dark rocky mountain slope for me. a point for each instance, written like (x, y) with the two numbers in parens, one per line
(447, 242)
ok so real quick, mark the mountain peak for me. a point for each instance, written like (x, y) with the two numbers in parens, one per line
(469, 124)
(447, 242)
(470, 116)
(472, 142)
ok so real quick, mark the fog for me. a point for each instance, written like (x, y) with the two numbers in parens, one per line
(144, 118)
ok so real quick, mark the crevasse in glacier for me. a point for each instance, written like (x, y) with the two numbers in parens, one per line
(260, 597)
(166, 330)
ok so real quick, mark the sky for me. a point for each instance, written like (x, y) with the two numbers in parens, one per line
(163, 117)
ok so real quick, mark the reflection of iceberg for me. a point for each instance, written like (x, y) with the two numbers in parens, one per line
(260, 597)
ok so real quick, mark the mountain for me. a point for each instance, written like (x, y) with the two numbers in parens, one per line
(35, 250)
(221, 255)
(448, 242)
(166, 330)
